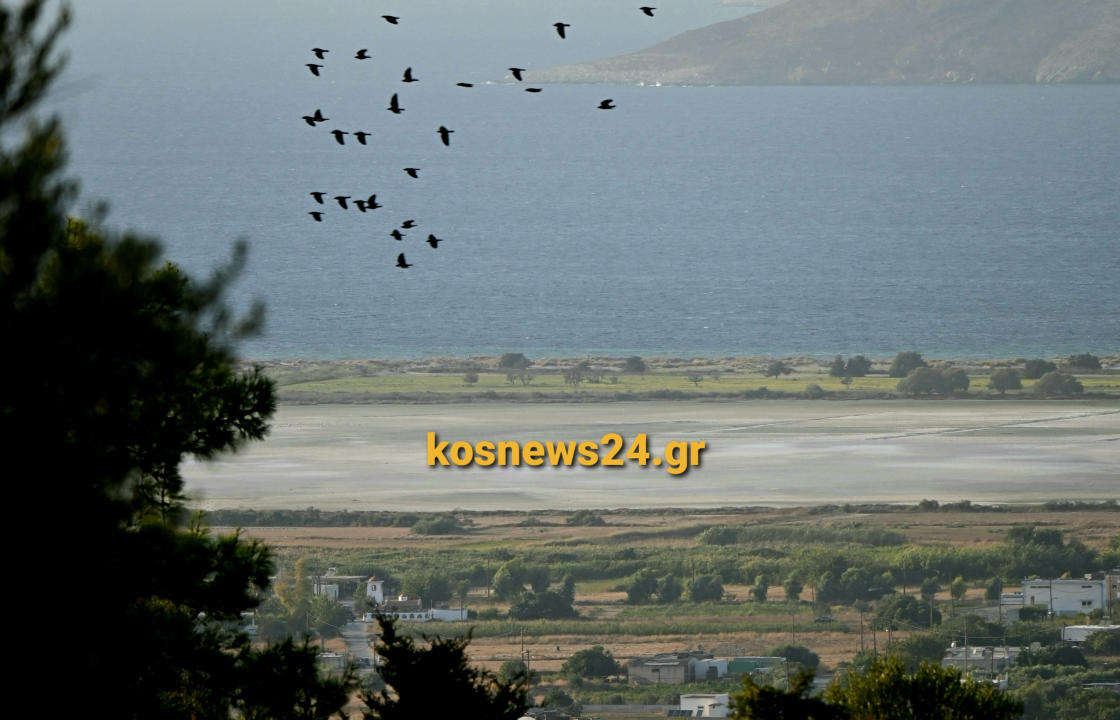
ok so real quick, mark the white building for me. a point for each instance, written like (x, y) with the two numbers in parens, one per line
(1067, 596)
(375, 590)
(419, 615)
(705, 704)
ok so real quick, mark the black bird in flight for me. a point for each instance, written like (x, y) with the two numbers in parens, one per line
(317, 215)
(465, 84)
(362, 54)
(560, 28)
(338, 136)
(532, 89)
(316, 118)
(517, 73)
(342, 200)
(362, 137)
(319, 52)
(408, 76)
(394, 105)
(647, 10)
(314, 68)
(413, 172)
(401, 263)
(391, 19)
(360, 204)
(606, 105)
(371, 202)
(434, 241)
(396, 234)
(408, 224)
(318, 197)
(445, 135)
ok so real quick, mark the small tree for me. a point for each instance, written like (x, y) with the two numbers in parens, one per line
(470, 377)
(547, 605)
(594, 662)
(956, 379)
(514, 361)
(705, 587)
(695, 379)
(669, 589)
(957, 590)
(1004, 380)
(924, 381)
(793, 587)
(1084, 361)
(760, 589)
(1034, 369)
(634, 364)
(905, 363)
(798, 654)
(513, 672)
(837, 368)
(1057, 383)
(858, 366)
(641, 587)
(993, 590)
(777, 369)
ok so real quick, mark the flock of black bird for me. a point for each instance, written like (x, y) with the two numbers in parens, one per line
(370, 203)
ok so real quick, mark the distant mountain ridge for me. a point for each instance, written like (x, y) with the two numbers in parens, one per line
(838, 42)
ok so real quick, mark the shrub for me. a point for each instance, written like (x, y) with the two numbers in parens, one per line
(705, 587)
(1084, 361)
(1057, 383)
(634, 364)
(1034, 369)
(590, 663)
(925, 381)
(1004, 380)
(799, 654)
(905, 363)
(514, 361)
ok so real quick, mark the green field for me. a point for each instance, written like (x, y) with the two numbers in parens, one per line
(421, 386)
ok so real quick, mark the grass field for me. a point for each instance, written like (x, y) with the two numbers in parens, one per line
(436, 379)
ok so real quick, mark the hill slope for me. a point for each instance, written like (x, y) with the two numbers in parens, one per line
(881, 42)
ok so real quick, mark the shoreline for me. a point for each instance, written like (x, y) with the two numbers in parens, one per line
(603, 379)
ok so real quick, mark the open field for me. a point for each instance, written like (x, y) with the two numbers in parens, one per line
(760, 452)
(442, 379)
(732, 627)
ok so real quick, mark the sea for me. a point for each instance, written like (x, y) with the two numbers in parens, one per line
(958, 221)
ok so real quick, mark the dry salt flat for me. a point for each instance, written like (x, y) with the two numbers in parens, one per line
(373, 457)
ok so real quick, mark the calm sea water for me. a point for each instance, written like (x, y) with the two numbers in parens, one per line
(958, 221)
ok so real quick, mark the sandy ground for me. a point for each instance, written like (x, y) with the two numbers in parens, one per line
(784, 452)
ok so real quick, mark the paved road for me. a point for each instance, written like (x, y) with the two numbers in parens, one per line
(357, 640)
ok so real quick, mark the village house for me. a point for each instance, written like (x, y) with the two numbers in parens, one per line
(704, 705)
(672, 668)
(1063, 596)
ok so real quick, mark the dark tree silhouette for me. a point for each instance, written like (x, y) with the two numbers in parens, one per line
(121, 367)
(437, 681)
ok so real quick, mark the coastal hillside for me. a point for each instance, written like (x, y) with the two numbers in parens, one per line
(839, 42)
